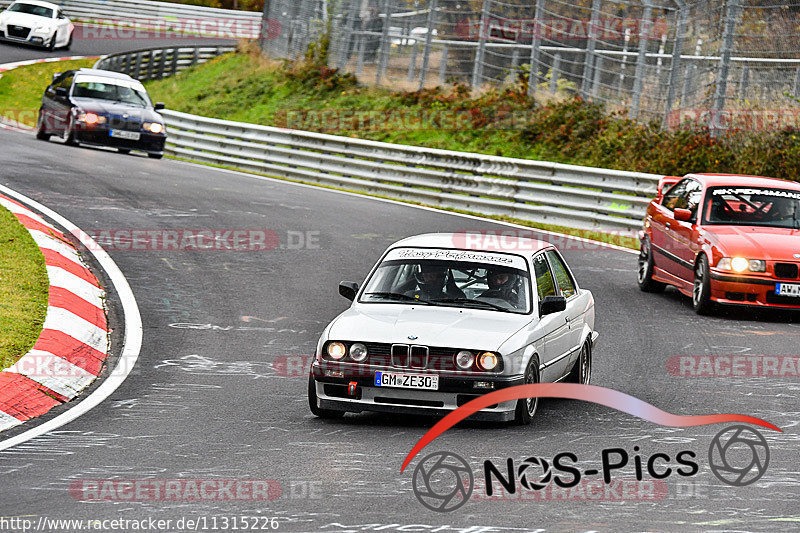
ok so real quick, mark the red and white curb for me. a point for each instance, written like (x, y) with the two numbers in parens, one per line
(73, 345)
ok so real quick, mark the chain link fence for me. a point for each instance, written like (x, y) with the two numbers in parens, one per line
(725, 64)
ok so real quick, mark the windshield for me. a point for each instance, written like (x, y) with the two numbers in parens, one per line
(753, 206)
(419, 279)
(107, 89)
(32, 10)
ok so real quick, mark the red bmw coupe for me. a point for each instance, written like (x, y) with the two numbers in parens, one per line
(724, 239)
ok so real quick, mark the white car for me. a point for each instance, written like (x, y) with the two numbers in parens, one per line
(38, 23)
(441, 320)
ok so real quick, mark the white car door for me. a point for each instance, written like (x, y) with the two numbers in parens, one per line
(576, 305)
(557, 342)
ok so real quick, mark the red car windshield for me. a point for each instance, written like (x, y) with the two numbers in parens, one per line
(752, 206)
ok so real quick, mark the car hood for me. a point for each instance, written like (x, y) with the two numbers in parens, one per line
(25, 19)
(107, 107)
(752, 242)
(451, 327)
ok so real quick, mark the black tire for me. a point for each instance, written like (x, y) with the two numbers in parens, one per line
(582, 369)
(123, 150)
(526, 407)
(41, 130)
(701, 292)
(312, 403)
(69, 138)
(155, 156)
(645, 270)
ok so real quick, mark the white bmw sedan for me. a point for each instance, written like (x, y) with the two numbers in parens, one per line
(38, 23)
(439, 322)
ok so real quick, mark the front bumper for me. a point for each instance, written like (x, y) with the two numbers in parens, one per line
(35, 38)
(454, 390)
(751, 291)
(99, 136)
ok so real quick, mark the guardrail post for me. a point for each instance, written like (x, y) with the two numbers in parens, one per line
(675, 65)
(151, 57)
(174, 66)
(641, 60)
(426, 54)
(591, 44)
(477, 70)
(138, 66)
(386, 42)
(195, 56)
(536, 47)
(161, 63)
(720, 91)
(554, 73)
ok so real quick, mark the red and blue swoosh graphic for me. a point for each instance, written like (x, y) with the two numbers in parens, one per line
(588, 393)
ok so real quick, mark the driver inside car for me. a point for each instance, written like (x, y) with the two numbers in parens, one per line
(434, 282)
(503, 285)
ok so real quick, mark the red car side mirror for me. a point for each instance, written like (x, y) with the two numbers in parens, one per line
(684, 215)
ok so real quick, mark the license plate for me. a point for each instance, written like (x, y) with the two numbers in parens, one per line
(122, 134)
(787, 289)
(406, 381)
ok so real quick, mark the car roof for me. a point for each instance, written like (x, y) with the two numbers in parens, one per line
(458, 241)
(106, 73)
(742, 180)
(50, 5)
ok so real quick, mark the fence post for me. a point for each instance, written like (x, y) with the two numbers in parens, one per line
(262, 37)
(624, 65)
(796, 88)
(598, 70)
(443, 66)
(477, 68)
(744, 78)
(675, 65)
(426, 55)
(731, 16)
(554, 73)
(536, 45)
(347, 35)
(361, 43)
(591, 44)
(386, 43)
(641, 60)
(412, 61)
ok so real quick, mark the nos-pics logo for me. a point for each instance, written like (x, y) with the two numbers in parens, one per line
(443, 481)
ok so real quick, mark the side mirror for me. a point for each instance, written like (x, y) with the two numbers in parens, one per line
(552, 304)
(159, 106)
(62, 91)
(348, 289)
(684, 215)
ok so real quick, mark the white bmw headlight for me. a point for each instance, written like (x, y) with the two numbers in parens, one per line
(337, 350)
(358, 352)
(153, 127)
(740, 264)
(464, 359)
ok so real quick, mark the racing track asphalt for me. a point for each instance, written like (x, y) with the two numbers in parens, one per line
(205, 402)
(85, 45)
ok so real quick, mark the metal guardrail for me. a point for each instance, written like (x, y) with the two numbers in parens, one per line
(162, 16)
(552, 193)
(156, 63)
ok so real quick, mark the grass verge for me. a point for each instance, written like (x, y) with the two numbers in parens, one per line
(23, 290)
(21, 89)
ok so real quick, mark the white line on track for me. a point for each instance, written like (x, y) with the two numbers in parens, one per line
(132, 343)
